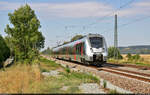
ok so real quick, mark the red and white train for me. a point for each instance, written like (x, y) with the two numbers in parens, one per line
(91, 49)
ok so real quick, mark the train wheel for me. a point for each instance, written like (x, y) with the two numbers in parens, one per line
(104, 62)
(83, 61)
(99, 65)
(69, 59)
(87, 63)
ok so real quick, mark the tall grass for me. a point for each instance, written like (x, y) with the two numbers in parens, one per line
(18, 79)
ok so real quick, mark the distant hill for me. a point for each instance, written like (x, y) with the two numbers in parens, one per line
(140, 49)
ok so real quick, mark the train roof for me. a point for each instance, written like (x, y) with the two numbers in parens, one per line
(89, 35)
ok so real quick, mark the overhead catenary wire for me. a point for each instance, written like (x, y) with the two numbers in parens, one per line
(136, 20)
(131, 22)
(102, 18)
(112, 13)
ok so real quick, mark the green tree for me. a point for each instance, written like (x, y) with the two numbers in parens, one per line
(25, 38)
(112, 50)
(76, 37)
(4, 51)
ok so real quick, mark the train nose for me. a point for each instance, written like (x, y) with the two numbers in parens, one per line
(97, 57)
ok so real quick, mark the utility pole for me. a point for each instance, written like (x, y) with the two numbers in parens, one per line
(25, 1)
(115, 38)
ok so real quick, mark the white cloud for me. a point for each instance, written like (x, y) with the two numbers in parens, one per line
(77, 10)
(138, 8)
(80, 9)
(74, 10)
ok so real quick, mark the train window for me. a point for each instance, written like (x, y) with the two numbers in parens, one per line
(83, 48)
(96, 42)
(77, 49)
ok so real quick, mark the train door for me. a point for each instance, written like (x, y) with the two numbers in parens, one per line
(74, 49)
(78, 51)
(82, 47)
(67, 52)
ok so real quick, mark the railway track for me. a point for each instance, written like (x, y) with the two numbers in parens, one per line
(131, 65)
(127, 73)
(135, 75)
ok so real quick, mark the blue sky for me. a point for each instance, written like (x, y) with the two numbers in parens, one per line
(62, 19)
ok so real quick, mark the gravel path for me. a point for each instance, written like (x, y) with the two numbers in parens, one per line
(91, 88)
(51, 73)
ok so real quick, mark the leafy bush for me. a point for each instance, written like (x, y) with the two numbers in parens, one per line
(134, 57)
(67, 70)
(4, 50)
(112, 51)
(129, 56)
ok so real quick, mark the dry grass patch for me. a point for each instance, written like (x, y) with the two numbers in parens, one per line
(143, 61)
(18, 79)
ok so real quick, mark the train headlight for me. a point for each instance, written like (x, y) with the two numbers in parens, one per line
(91, 49)
(103, 49)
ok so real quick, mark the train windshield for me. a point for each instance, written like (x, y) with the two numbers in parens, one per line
(96, 42)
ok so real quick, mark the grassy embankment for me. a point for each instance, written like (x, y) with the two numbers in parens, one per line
(143, 61)
(23, 78)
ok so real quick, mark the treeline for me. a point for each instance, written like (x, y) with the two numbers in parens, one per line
(47, 51)
(4, 51)
(141, 49)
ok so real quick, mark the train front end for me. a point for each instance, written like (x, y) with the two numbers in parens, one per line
(97, 52)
